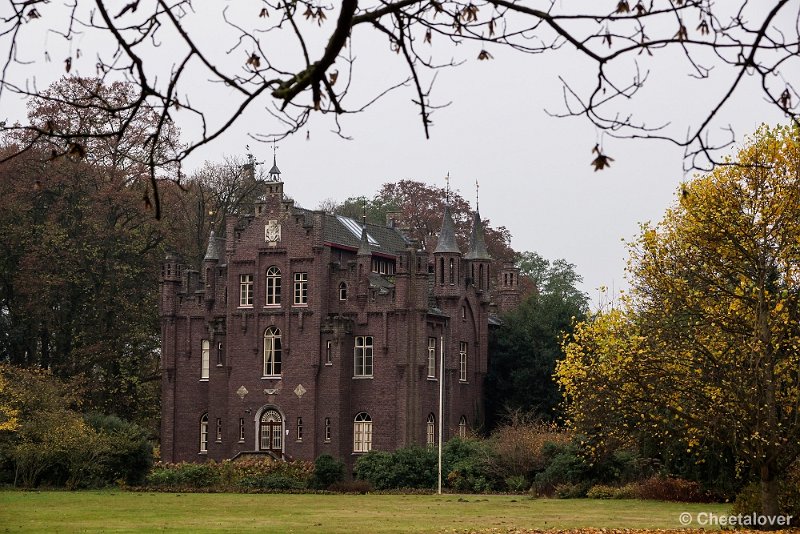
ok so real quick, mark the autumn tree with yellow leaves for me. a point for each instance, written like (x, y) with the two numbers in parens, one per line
(706, 349)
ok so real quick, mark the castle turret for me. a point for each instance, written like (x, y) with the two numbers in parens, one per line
(210, 264)
(478, 258)
(447, 258)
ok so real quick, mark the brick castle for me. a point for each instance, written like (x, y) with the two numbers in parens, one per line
(306, 333)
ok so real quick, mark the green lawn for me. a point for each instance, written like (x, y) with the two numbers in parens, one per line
(118, 511)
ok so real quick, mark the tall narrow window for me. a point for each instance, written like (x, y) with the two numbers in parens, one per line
(342, 290)
(363, 356)
(204, 434)
(462, 427)
(441, 271)
(272, 352)
(299, 429)
(329, 352)
(430, 431)
(327, 429)
(245, 290)
(362, 433)
(219, 430)
(452, 272)
(431, 357)
(300, 288)
(219, 354)
(204, 356)
(480, 276)
(241, 430)
(273, 287)
(462, 361)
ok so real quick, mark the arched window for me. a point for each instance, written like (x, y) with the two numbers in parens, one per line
(441, 271)
(299, 429)
(272, 352)
(480, 276)
(430, 431)
(462, 427)
(271, 431)
(452, 272)
(327, 429)
(204, 433)
(273, 286)
(362, 433)
(342, 291)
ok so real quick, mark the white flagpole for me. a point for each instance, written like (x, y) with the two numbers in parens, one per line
(441, 404)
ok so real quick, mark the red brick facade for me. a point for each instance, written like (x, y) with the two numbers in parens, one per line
(346, 365)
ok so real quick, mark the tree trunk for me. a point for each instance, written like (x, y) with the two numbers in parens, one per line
(769, 494)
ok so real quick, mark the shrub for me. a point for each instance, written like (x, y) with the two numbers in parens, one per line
(672, 489)
(566, 467)
(129, 453)
(519, 447)
(410, 467)
(517, 483)
(351, 486)
(748, 500)
(327, 470)
(272, 481)
(471, 466)
(601, 491)
(570, 491)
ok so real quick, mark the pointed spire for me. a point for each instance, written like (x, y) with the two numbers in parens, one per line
(363, 248)
(212, 252)
(274, 172)
(477, 240)
(447, 235)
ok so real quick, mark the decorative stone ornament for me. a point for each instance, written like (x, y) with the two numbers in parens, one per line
(272, 231)
(242, 392)
(300, 391)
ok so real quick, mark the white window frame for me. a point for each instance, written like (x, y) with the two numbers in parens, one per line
(299, 429)
(329, 352)
(362, 433)
(430, 431)
(273, 287)
(246, 285)
(241, 430)
(462, 427)
(204, 433)
(432, 357)
(342, 290)
(219, 430)
(273, 349)
(301, 289)
(363, 353)
(462, 361)
(205, 355)
(327, 429)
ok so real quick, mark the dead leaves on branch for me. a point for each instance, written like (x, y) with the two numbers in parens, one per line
(315, 14)
(602, 160)
(484, 55)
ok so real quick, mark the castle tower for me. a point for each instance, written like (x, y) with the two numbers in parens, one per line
(478, 258)
(447, 258)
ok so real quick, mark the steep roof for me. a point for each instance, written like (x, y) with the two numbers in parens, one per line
(347, 232)
(214, 246)
(477, 241)
(447, 235)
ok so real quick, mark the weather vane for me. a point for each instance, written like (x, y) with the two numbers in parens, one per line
(477, 196)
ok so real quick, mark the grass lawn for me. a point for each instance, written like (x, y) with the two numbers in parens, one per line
(118, 511)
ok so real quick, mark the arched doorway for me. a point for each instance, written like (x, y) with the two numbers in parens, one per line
(270, 431)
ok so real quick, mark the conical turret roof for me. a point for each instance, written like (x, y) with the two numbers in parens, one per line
(212, 252)
(477, 241)
(447, 235)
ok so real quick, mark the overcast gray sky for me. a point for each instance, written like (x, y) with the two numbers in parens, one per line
(534, 170)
